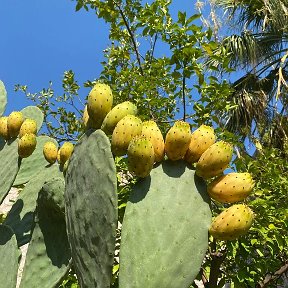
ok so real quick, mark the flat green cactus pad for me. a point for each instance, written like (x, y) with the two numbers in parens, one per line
(21, 216)
(9, 255)
(33, 112)
(48, 257)
(9, 166)
(3, 98)
(165, 229)
(91, 209)
(34, 164)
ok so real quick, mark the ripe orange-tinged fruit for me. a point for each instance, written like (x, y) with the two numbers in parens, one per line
(231, 188)
(140, 156)
(232, 223)
(50, 152)
(177, 140)
(65, 152)
(99, 103)
(27, 145)
(116, 114)
(125, 130)
(28, 126)
(3, 128)
(201, 140)
(14, 122)
(153, 133)
(214, 160)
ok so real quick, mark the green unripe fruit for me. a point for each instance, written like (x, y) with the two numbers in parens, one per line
(232, 223)
(50, 152)
(177, 140)
(231, 188)
(214, 160)
(153, 133)
(27, 145)
(3, 128)
(201, 140)
(65, 152)
(14, 122)
(99, 103)
(125, 130)
(116, 114)
(140, 156)
(28, 126)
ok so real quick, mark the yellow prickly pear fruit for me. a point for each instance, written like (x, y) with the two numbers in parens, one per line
(116, 114)
(3, 128)
(214, 160)
(50, 152)
(177, 140)
(125, 130)
(99, 103)
(231, 188)
(58, 156)
(232, 223)
(14, 122)
(28, 126)
(27, 145)
(65, 152)
(153, 133)
(201, 140)
(140, 156)
(87, 121)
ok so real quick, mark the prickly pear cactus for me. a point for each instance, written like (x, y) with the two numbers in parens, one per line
(48, 254)
(9, 166)
(91, 209)
(165, 229)
(33, 165)
(3, 98)
(9, 255)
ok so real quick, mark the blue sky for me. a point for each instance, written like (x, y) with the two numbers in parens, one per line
(42, 39)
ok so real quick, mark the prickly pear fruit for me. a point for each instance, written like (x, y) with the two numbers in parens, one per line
(140, 156)
(99, 103)
(14, 122)
(231, 188)
(232, 223)
(28, 126)
(116, 114)
(125, 130)
(201, 139)
(3, 128)
(65, 152)
(214, 160)
(27, 145)
(153, 133)
(50, 152)
(88, 121)
(177, 140)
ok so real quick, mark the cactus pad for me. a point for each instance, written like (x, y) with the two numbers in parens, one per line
(9, 166)
(33, 112)
(3, 98)
(9, 255)
(166, 220)
(21, 216)
(91, 209)
(48, 254)
(33, 165)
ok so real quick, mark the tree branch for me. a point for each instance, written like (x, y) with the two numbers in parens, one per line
(272, 277)
(217, 259)
(131, 36)
(183, 94)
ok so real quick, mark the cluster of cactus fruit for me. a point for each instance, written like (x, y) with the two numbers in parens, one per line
(168, 212)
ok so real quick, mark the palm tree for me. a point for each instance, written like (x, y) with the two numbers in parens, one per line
(260, 49)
